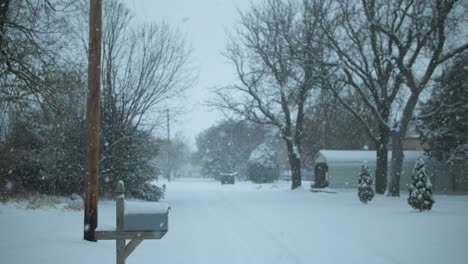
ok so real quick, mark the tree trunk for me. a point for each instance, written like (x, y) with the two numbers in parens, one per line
(382, 163)
(397, 165)
(294, 164)
(398, 136)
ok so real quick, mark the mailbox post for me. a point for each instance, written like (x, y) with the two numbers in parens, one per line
(138, 229)
(119, 216)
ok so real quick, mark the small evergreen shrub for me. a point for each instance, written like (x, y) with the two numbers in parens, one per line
(365, 185)
(420, 190)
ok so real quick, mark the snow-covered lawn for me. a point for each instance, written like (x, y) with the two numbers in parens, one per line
(249, 223)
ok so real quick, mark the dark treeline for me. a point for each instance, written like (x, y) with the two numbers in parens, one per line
(43, 68)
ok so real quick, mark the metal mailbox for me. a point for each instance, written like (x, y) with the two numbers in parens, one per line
(135, 221)
(144, 216)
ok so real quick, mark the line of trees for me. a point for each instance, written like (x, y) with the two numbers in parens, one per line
(382, 54)
(226, 147)
(44, 45)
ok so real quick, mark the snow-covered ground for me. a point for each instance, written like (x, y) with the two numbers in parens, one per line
(249, 223)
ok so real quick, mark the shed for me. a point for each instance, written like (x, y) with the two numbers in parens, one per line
(344, 166)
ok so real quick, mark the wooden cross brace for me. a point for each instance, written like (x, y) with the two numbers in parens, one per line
(124, 251)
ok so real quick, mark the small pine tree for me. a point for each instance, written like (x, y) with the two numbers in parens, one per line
(365, 185)
(420, 190)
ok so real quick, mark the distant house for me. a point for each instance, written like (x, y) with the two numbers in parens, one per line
(412, 140)
(344, 165)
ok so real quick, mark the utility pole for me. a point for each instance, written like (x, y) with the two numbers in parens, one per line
(92, 120)
(168, 147)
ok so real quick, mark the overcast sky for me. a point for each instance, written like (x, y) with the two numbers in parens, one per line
(204, 22)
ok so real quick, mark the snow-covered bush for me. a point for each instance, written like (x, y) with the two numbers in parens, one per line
(420, 190)
(262, 166)
(148, 192)
(365, 185)
(37, 201)
(74, 205)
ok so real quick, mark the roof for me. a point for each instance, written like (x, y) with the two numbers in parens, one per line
(358, 156)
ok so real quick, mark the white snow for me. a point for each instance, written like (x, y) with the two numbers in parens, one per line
(296, 151)
(9, 185)
(251, 223)
(133, 207)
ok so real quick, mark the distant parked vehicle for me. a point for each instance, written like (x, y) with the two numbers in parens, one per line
(228, 178)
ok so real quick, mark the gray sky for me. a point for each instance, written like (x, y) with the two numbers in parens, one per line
(204, 22)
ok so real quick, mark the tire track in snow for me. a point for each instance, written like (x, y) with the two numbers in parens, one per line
(220, 221)
(356, 245)
(249, 220)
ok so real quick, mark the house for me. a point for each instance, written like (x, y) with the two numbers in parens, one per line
(344, 166)
(412, 140)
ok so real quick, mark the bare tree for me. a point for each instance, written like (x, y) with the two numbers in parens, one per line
(362, 69)
(29, 43)
(144, 65)
(144, 68)
(274, 51)
(388, 51)
(427, 40)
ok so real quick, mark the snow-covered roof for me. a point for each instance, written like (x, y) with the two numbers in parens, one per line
(358, 156)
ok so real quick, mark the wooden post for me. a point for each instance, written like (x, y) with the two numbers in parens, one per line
(92, 121)
(119, 216)
(120, 235)
(168, 147)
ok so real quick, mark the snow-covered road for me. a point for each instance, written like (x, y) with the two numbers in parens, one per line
(248, 223)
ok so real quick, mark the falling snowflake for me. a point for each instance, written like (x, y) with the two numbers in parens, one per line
(9, 185)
